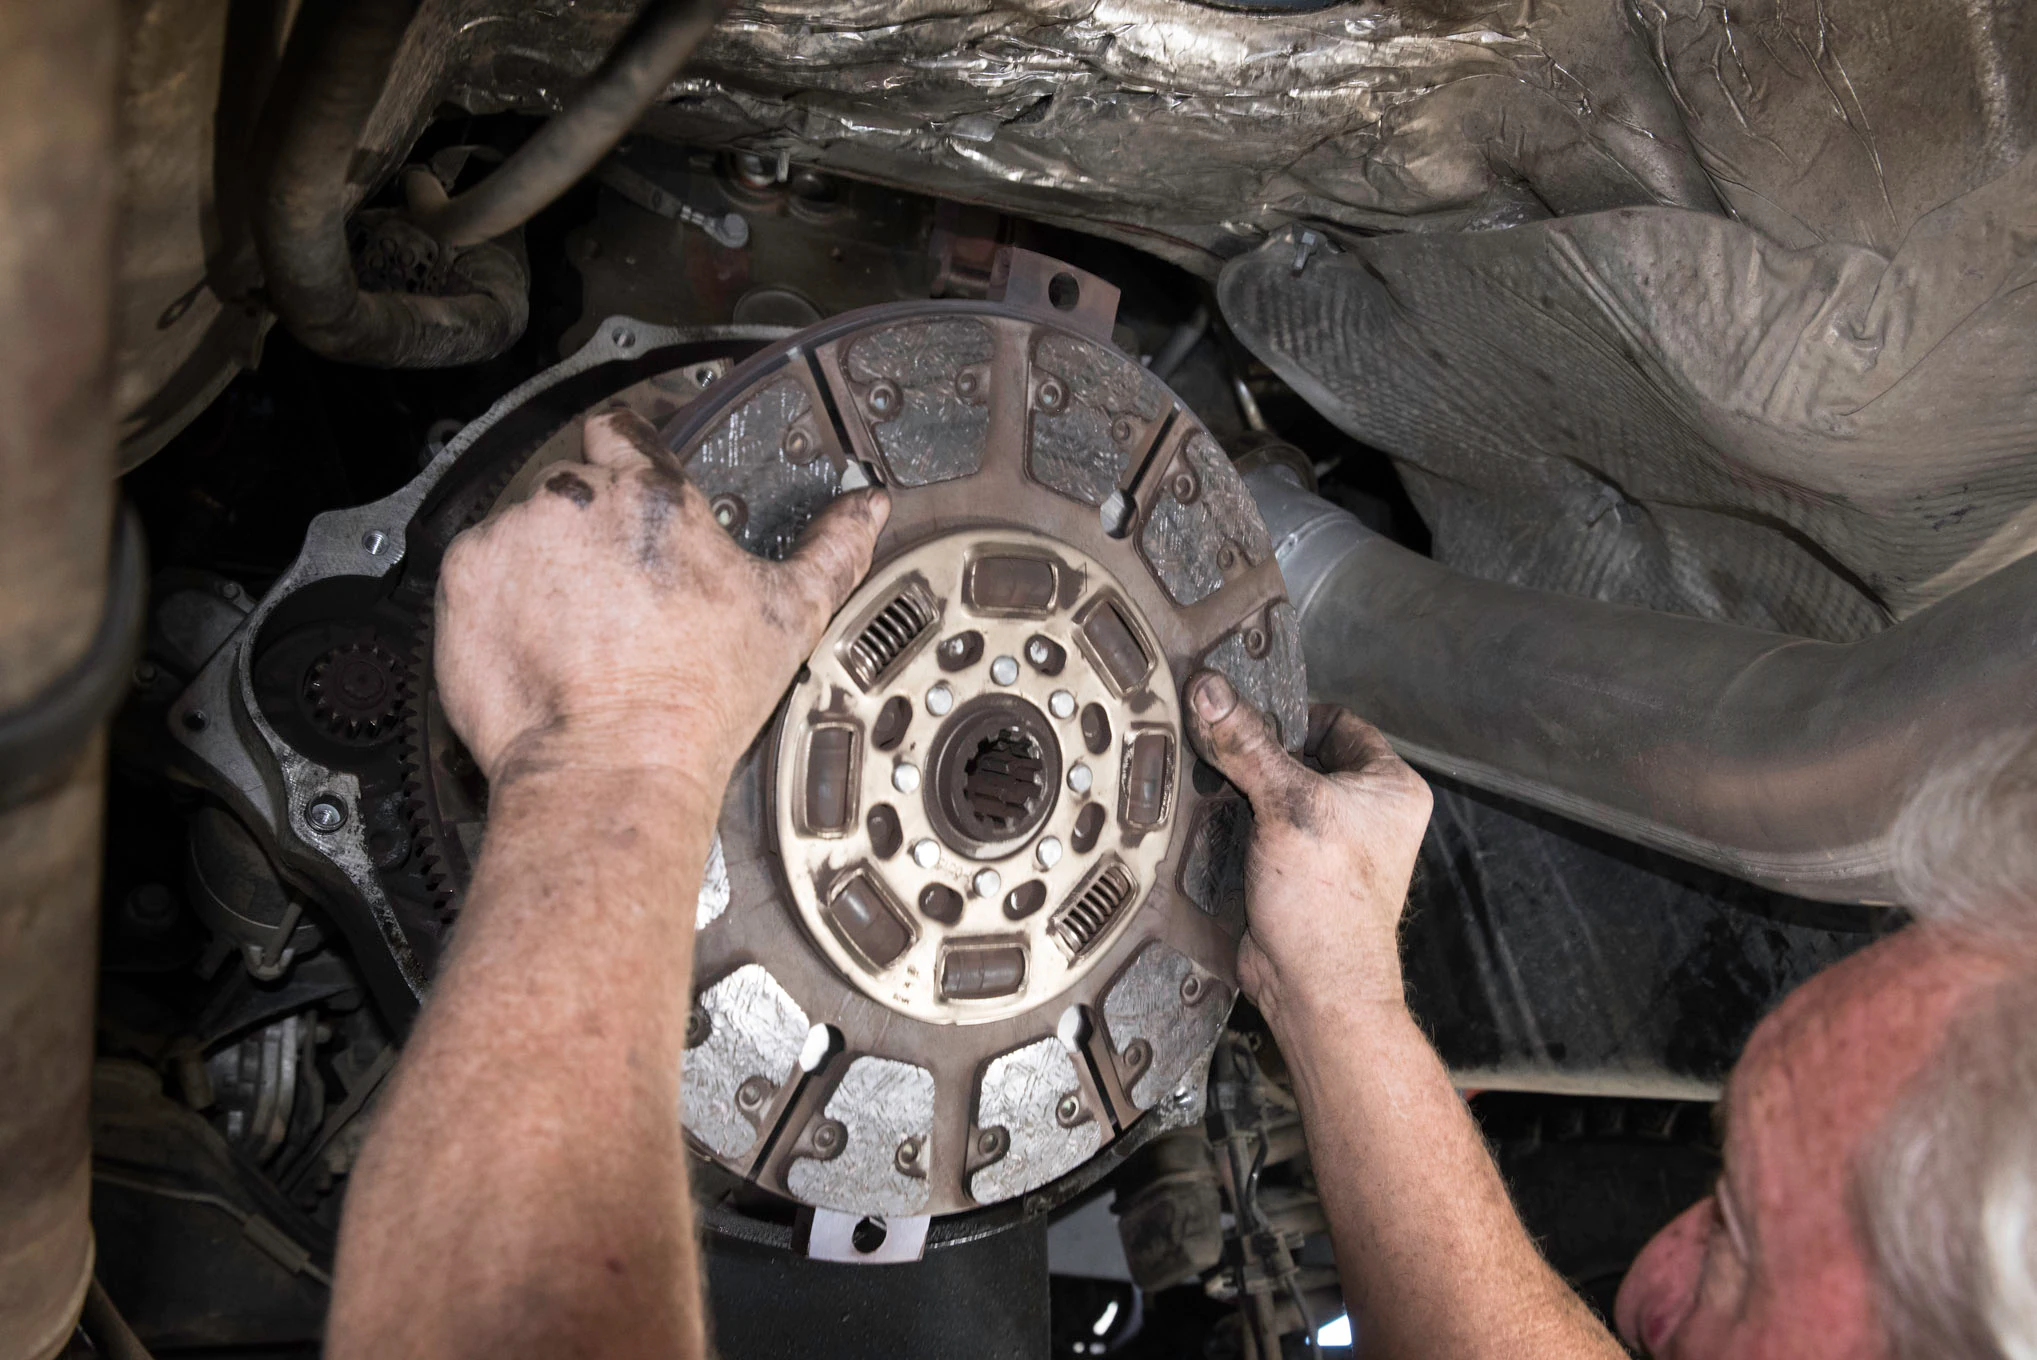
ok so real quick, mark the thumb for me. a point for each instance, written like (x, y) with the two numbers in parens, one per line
(834, 554)
(1236, 738)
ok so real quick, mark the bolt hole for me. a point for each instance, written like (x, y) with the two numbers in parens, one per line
(886, 835)
(940, 903)
(1024, 900)
(195, 720)
(1064, 292)
(960, 651)
(892, 720)
(1096, 729)
(623, 339)
(868, 1235)
(1046, 655)
(1088, 827)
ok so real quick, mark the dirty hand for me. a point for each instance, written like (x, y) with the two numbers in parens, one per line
(1331, 856)
(608, 623)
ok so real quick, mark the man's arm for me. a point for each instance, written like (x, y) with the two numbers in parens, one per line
(607, 652)
(1434, 1261)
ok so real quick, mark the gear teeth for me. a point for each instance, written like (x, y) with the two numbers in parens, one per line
(415, 754)
(356, 691)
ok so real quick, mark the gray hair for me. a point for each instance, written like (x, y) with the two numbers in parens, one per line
(1946, 1188)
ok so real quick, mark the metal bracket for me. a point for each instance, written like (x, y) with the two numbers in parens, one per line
(834, 1235)
(1075, 298)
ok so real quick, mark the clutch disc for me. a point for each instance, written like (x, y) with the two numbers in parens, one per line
(971, 914)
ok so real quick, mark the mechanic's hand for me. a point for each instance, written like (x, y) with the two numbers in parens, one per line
(608, 623)
(1331, 858)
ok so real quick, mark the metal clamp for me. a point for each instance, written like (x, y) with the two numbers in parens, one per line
(39, 739)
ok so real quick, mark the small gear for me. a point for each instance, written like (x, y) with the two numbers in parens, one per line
(355, 692)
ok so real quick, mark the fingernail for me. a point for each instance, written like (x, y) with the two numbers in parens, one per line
(1214, 698)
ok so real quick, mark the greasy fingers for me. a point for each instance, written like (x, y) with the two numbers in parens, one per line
(1342, 742)
(834, 555)
(1237, 739)
(620, 440)
(607, 621)
(1331, 855)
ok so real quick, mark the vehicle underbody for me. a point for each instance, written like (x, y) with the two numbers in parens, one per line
(1323, 345)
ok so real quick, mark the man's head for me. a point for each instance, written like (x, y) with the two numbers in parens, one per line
(1879, 1195)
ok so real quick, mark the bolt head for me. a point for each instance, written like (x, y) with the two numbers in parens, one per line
(373, 542)
(1068, 1109)
(939, 700)
(325, 815)
(1004, 670)
(827, 1137)
(1061, 704)
(1122, 430)
(925, 853)
(1038, 652)
(987, 883)
(1079, 778)
(1048, 851)
(1052, 396)
(905, 777)
(799, 446)
(968, 383)
(884, 399)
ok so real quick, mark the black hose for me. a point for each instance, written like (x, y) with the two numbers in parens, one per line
(636, 71)
(300, 222)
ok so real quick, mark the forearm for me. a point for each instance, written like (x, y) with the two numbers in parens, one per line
(524, 1191)
(1433, 1259)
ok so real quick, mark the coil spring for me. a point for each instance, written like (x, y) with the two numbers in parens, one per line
(885, 638)
(1082, 920)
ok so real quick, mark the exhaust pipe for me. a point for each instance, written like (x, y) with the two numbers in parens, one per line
(1776, 759)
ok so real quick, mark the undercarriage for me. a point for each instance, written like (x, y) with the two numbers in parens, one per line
(1098, 293)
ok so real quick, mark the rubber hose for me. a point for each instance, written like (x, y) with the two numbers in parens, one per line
(562, 152)
(300, 222)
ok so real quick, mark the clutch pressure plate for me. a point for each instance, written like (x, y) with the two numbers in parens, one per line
(972, 911)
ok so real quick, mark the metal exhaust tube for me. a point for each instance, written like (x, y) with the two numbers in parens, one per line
(1776, 759)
